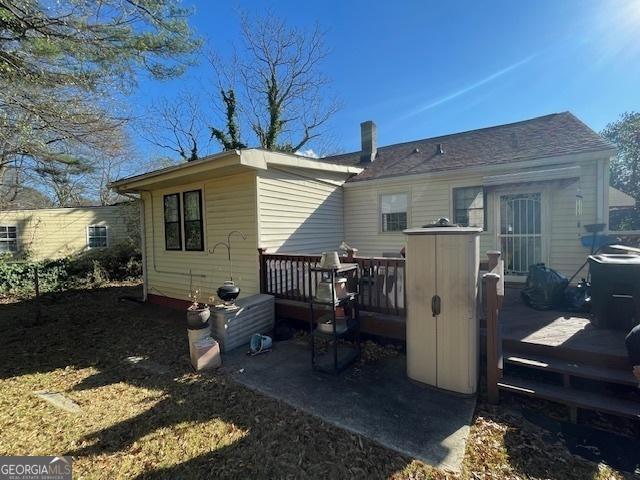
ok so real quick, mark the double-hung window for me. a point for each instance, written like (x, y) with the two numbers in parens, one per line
(97, 236)
(172, 227)
(193, 227)
(184, 217)
(8, 238)
(469, 207)
(393, 211)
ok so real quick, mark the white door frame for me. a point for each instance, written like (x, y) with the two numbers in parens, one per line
(545, 218)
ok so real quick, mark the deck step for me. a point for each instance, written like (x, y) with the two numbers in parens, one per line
(567, 353)
(575, 369)
(571, 397)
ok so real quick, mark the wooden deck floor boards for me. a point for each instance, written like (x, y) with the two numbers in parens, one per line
(556, 329)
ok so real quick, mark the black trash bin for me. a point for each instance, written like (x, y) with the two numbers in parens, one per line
(615, 290)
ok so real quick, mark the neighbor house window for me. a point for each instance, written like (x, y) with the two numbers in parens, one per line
(393, 209)
(97, 236)
(172, 230)
(193, 228)
(8, 238)
(469, 207)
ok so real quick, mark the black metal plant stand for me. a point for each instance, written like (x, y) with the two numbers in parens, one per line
(340, 354)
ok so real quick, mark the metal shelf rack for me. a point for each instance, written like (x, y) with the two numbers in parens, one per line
(340, 355)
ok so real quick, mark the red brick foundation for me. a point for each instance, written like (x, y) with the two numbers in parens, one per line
(173, 303)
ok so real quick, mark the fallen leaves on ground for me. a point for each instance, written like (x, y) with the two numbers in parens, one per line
(138, 424)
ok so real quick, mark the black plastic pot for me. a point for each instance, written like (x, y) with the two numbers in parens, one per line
(228, 292)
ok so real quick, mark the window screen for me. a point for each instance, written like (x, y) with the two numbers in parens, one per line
(394, 212)
(193, 231)
(8, 238)
(97, 236)
(469, 207)
(172, 233)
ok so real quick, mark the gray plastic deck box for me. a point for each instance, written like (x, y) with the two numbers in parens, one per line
(233, 326)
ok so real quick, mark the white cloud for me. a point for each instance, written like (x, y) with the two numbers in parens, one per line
(308, 153)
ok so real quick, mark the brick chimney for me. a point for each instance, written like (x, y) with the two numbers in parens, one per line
(369, 139)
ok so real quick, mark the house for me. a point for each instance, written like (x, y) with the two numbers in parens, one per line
(532, 186)
(279, 201)
(621, 206)
(50, 233)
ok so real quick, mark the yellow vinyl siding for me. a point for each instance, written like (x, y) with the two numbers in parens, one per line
(431, 198)
(299, 213)
(567, 253)
(428, 200)
(229, 203)
(59, 232)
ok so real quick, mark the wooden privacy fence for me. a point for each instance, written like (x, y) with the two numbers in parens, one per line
(289, 276)
(494, 291)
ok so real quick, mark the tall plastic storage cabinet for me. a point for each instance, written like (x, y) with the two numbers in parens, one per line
(442, 291)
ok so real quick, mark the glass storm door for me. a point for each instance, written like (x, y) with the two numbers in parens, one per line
(520, 232)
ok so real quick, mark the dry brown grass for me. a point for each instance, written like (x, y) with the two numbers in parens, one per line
(139, 424)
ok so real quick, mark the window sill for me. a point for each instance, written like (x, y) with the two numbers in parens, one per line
(189, 252)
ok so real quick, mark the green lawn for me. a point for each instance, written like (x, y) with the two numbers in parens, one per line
(135, 423)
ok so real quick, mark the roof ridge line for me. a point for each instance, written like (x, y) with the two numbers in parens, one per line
(464, 132)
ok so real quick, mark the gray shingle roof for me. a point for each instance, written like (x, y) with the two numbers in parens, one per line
(540, 137)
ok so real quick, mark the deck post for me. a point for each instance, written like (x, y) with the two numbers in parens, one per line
(491, 284)
(262, 269)
(494, 287)
(494, 260)
(351, 254)
(494, 257)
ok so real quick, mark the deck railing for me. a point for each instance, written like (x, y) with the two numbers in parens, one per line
(289, 276)
(494, 291)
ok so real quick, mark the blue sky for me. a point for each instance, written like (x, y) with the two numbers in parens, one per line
(424, 68)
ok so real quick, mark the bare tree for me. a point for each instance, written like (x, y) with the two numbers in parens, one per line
(178, 126)
(277, 82)
(106, 169)
(65, 183)
(229, 138)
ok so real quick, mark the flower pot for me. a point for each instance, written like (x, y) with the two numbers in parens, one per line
(197, 318)
(228, 292)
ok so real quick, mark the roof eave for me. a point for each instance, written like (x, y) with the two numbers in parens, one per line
(531, 161)
(264, 158)
(256, 159)
(137, 182)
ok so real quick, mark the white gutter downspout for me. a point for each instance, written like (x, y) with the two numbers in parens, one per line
(600, 191)
(606, 172)
(143, 243)
(143, 249)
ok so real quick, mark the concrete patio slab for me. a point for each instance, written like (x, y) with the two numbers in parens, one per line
(377, 401)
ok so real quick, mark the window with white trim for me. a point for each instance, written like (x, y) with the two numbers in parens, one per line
(8, 238)
(469, 207)
(393, 211)
(97, 236)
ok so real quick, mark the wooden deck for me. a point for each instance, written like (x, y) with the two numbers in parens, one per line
(561, 334)
(575, 363)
